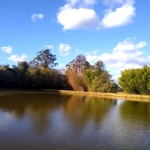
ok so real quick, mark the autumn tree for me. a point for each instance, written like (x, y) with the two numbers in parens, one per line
(75, 71)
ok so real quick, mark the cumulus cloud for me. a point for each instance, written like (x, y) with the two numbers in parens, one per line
(36, 17)
(77, 18)
(78, 14)
(17, 58)
(121, 16)
(92, 57)
(125, 55)
(128, 46)
(7, 49)
(64, 49)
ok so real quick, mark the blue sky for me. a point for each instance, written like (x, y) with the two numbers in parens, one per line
(114, 31)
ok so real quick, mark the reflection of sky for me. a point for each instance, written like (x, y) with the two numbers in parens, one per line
(119, 102)
(59, 124)
(5, 120)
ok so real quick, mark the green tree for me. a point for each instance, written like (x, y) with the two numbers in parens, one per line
(43, 60)
(135, 81)
(98, 79)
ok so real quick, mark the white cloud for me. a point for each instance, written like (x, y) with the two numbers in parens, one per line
(112, 3)
(64, 49)
(78, 14)
(89, 2)
(121, 16)
(7, 49)
(49, 46)
(125, 55)
(140, 45)
(17, 58)
(36, 17)
(77, 18)
(81, 2)
(92, 57)
(128, 46)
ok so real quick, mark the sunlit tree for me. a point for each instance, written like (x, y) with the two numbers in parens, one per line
(44, 59)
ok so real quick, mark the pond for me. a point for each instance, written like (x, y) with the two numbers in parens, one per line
(46, 121)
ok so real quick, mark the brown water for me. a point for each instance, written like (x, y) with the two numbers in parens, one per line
(45, 121)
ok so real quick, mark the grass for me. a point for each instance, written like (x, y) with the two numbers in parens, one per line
(133, 97)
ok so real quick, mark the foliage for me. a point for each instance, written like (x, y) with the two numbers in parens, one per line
(27, 76)
(98, 79)
(43, 60)
(83, 76)
(75, 71)
(39, 74)
(23, 65)
(76, 80)
(136, 81)
(79, 64)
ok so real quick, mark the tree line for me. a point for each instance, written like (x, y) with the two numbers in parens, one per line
(39, 73)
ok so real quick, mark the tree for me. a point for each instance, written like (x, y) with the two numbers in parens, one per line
(75, 71)
(99, 66)
(79, 64)
(135, 81)
(98, 79)
(43, 60)
(23, 65)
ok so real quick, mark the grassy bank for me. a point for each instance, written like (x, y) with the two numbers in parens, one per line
(125, 96)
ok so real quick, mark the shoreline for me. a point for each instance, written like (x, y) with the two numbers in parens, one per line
(124, 96)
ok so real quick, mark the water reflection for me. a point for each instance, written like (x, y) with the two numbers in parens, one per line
(34, 106)
(31, 120)
(82, 109)
(38, 108)
(135, 110)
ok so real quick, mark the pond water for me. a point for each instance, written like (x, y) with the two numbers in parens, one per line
(46, 121)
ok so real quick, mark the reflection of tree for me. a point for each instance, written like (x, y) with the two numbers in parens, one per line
(137, 110)
(81, 110)
(36, 106)
(39, 121)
